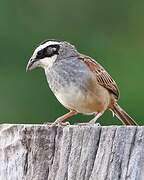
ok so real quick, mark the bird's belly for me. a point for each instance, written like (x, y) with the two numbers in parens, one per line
(83, 101)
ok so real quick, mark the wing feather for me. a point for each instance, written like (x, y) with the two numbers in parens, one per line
(103, 78)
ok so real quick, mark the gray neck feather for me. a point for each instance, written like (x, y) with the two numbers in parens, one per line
(67, 50)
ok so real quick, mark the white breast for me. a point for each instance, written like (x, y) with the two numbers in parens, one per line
(69, 96)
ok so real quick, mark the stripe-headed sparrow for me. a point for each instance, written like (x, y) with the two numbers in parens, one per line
(79, 83)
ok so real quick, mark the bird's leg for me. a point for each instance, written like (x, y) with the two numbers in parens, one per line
(97, 115)
(59, 121)
(95, 118)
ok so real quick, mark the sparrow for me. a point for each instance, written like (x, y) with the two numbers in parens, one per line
(79, 82)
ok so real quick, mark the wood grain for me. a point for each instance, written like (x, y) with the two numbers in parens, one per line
(36, 152)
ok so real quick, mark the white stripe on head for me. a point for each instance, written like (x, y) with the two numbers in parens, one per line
(42, 46)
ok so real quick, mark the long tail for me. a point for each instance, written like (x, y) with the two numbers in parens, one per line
(123, 116)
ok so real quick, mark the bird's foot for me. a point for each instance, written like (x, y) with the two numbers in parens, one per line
(93, 122)
(57, 123)
(88, 124)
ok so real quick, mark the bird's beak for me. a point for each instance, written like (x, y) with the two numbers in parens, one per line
(32, 64)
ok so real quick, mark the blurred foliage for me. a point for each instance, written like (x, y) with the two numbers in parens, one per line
(110, 31)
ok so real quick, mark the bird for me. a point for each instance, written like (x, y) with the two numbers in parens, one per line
(78, 82)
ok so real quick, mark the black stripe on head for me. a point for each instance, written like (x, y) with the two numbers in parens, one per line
(48, 51)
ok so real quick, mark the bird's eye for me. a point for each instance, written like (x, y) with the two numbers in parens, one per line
(47, 52)
(39, 53)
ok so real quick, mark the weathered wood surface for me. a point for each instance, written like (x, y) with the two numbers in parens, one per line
(35, 152)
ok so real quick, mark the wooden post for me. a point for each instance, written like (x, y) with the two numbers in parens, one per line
(36, 152)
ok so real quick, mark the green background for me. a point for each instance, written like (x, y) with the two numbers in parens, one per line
(110, 31)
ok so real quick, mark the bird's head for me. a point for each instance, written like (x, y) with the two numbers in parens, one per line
(48, 52)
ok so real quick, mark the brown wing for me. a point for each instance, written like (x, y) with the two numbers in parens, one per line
(103, 78)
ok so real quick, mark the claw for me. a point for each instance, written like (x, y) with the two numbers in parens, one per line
(58, 124)
(88, 124)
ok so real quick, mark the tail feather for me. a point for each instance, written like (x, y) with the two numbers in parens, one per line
(123, 116)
